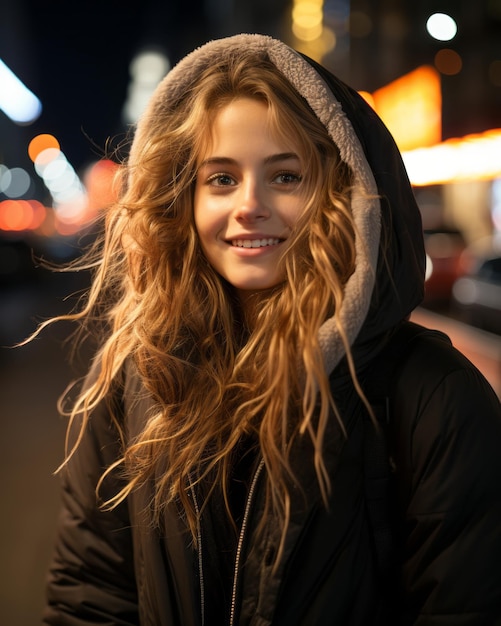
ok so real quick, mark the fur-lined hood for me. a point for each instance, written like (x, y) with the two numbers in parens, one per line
(388, 281)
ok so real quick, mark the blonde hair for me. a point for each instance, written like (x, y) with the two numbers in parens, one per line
(213, 378)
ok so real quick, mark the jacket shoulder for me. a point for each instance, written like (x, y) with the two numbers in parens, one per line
(446, 421)
(446, 429)
(433, 370)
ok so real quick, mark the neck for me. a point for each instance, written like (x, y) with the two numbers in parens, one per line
(251, 302)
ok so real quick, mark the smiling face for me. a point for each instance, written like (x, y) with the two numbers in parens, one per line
(247, 197)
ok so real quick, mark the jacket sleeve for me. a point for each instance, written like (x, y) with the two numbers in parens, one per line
(451, 458)
(91, 578)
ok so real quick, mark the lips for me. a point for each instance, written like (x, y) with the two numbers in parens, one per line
(255, 243)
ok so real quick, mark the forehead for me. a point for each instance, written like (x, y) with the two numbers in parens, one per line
(246, 124)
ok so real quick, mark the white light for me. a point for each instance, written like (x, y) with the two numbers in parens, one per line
(5, 178)
(15, 183)
(16, 100)
(146, 69)
(441, 26)
(45, 158)
(55, 169)
(72, 208)
(465, 291)
(149, 67)
(429, 268)
(70, 196)
(64, 181)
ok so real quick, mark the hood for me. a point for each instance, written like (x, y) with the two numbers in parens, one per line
(388, 281)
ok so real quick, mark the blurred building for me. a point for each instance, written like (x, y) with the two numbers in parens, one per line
(93, 65)
(76, 57)
(392, 40)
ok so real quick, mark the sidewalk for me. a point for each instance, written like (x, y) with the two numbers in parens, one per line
(31, 443)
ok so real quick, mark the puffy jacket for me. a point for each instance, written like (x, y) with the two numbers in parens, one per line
(442, 502)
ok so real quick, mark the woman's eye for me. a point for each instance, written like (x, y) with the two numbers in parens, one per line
(221, 180)
(287, 178)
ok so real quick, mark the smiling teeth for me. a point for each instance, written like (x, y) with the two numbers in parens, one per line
(254, 243)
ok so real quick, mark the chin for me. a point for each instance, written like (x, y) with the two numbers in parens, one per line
(256, 285)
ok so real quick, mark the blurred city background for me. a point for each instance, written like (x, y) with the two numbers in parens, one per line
(74, 77)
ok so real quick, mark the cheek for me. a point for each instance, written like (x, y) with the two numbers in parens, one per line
(199, 214)
(210, 215)
(293, 212)
(206, 225)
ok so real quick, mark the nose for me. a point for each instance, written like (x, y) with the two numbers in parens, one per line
(252, 204)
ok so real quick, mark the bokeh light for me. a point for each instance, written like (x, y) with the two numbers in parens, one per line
(441, 27)
(16, 100)
(474, 157)
(146, 70)
(15, 182)
(99, 182)
(42, 142)
(307, 19)
(448, 62)
(19, 215)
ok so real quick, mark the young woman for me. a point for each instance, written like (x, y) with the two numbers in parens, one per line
(264, 253)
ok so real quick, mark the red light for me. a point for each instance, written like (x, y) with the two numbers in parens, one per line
(18, 215)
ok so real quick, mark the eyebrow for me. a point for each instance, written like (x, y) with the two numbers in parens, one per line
(273, 158)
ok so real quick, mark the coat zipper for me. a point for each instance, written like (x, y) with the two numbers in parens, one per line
(240, 544)
(199, 550)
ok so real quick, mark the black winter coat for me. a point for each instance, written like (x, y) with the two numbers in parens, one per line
(112, 568)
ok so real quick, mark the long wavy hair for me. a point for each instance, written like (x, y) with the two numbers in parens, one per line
(215, 376)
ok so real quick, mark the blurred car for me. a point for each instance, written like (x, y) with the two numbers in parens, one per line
(444, 264)
(476, 296)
